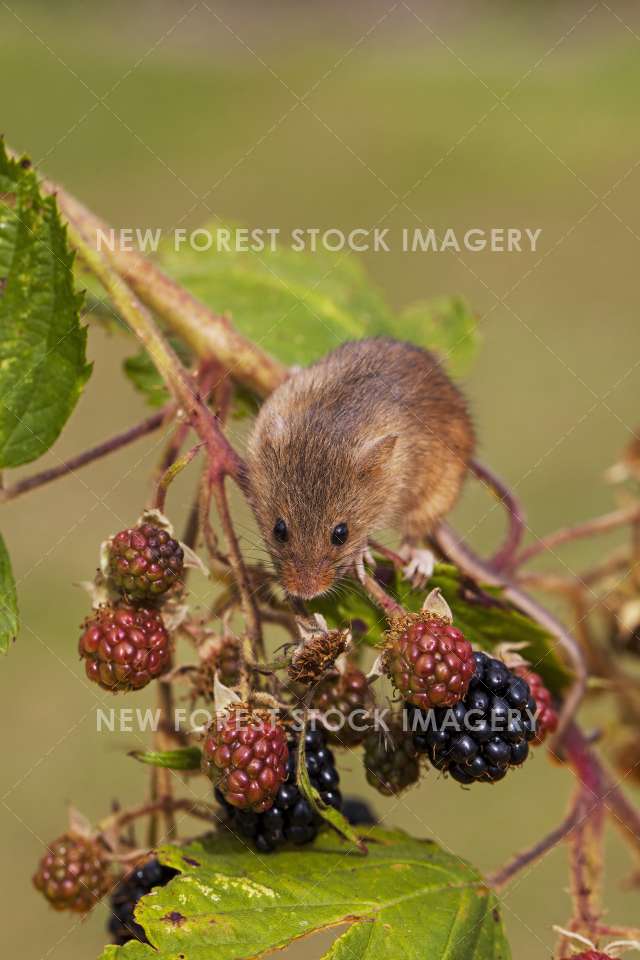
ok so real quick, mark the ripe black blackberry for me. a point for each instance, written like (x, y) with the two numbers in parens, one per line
(390, 761)
(141, 880)
(291, 818)
(358, 812)
(485, 734)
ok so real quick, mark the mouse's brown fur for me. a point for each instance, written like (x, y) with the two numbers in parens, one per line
(374, 435)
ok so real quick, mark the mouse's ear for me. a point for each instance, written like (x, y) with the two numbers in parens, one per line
(374, 454)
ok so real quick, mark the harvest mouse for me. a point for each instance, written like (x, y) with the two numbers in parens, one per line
(374, 435)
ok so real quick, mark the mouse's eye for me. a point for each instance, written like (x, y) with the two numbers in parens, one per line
(280, 531)
(340, 535)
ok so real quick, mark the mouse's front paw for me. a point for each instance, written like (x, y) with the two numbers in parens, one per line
(419, 566)
(365, 557)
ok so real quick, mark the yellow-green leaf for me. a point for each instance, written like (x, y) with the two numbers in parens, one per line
(408, 898)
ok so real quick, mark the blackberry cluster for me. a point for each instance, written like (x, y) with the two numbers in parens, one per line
(122, 925)
(291, 818)
(145, 562)
(487, 733)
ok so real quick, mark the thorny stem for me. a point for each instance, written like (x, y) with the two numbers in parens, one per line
(223, 458)
(380, 596)
(171, 473)
(503, 558)
(502, 876)
(163, 740)
(247, 599)
(148, 425)
(195, 808)
(207, 333)
(590, 528)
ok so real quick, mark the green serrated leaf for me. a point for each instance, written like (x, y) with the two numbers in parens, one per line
(8, 601)
(43, 364)
(407, 898)
(483, 618)
(185, 758)
(295, 304)
(141, 371)
(446, 325)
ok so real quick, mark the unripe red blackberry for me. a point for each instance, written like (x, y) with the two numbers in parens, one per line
(245, 754)
(391, 760)
(546, 716)
(145, 562)
(428, 660)
(124, 647)
(344, 701)
(73, 874)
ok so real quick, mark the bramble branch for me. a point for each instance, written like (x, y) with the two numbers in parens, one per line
(207, 333)
(148, 425)
(503, 558)
(590, 528)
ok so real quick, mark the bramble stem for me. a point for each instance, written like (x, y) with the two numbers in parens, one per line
(502, 876)
(207, 333)
(380, 596)
(503, 558)
(164, 741)
(590, 528)
(236, 561)
(148, 425)
(195, 808)
(223, 458)
(171, 473)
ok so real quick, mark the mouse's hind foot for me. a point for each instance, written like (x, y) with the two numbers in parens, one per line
(419, 565)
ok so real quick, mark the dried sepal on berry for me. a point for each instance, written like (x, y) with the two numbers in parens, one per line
(245, 754)
(318, 650)
(73, 874)
(428, 660)
(125, 647)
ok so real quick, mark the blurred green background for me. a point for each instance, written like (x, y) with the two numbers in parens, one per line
(299, 114)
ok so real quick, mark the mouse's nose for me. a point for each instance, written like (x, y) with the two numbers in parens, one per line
(306, 582)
